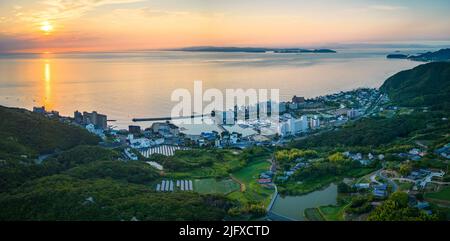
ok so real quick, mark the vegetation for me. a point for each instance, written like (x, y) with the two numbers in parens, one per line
(371, 132)
(396, 209)
(405, 168)
(332, 213)
(61, 197)
(360, 205)
(211, 185)
(285, 158)
(79, 181)
(253, 193)
(132, 171)
(83, 155)
(313, 214)
(15, 172)
(424, 85)
(208, 163)
(442, 195)
(24, 132)
(324, 168)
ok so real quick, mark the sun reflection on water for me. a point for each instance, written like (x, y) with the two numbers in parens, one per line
(48, 89)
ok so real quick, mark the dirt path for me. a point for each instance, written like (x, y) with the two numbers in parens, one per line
(243, 187)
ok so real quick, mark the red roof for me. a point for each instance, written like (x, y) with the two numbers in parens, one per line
(264, 180)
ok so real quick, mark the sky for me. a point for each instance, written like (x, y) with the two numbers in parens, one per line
(107, 25)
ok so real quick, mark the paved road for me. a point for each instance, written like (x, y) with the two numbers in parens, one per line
(390, 181)
(373, 177)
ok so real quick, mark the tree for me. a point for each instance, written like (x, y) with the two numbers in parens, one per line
(396, 209)
(336, 157)
(405, 168)
(344, 188)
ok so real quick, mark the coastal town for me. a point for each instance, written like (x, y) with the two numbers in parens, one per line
(299, 118)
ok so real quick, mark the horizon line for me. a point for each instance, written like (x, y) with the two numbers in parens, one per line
(397, 44)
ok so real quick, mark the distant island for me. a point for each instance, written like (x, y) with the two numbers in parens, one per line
(397, 56)
(253, 50)
(440, 55)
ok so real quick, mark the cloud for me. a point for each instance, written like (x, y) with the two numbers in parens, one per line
(67, 9)
(386, 7)
(147, 12)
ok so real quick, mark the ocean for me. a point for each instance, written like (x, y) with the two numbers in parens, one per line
(126, 85)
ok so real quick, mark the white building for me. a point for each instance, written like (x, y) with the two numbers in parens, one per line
(353, 113)
(225, 117)
(290, 126)
(283, 129)
(300, 125)
(314, 122)
(139, 143)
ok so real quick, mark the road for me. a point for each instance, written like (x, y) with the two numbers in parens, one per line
(394, 185)
(373, 178)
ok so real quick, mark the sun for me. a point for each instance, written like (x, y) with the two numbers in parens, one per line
(46, 27)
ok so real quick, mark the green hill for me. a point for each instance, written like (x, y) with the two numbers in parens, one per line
(83, 181)
(60, 197)
(424, 85)
(25, 132)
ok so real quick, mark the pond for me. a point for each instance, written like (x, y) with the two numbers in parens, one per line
(294, 206)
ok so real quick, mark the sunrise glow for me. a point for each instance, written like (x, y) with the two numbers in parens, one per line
(97, 25)
(46, 27)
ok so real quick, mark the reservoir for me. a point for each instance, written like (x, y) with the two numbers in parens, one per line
(293, 206)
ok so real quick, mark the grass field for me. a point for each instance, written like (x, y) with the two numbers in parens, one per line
(211, 185)
(213, 163)
(296, 188)
(404, 186)
(254, 191)
(312, 214)
(443, 194)
(218, 169)
(332, 213)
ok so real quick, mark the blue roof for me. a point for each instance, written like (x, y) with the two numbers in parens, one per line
(422, 205)
(379, 193)
(381, 187)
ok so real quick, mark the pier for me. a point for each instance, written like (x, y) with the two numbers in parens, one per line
(169, 118)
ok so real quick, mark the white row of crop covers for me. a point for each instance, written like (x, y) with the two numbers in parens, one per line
(168, 185)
